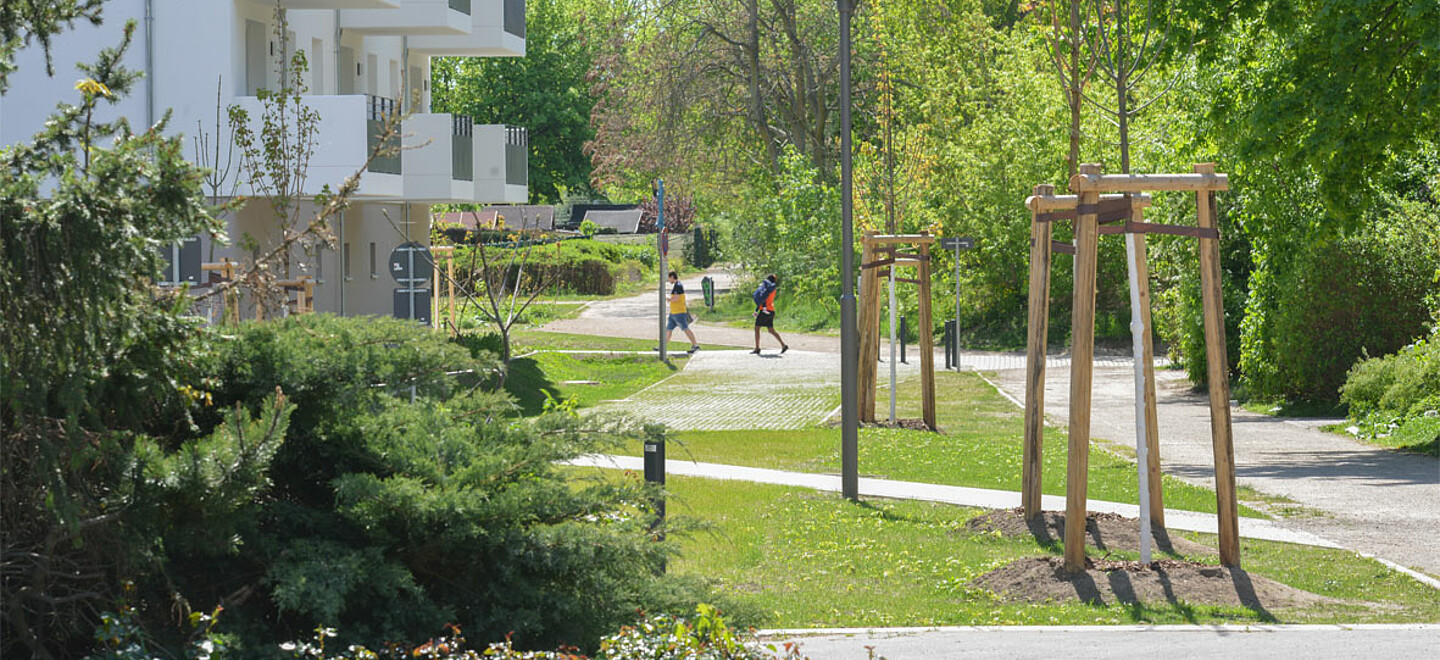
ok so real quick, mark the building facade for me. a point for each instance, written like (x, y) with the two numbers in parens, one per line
(367, 60)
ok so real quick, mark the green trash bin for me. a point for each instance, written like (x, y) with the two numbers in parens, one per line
(707, 286)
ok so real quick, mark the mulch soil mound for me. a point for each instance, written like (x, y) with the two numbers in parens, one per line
(1044, 579)
(1103, 531)
(1106, 582)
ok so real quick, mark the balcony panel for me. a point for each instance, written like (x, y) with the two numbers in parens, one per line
(342, 140)
(495, 158)
(497, 29)
(432, 148)
(413, 18)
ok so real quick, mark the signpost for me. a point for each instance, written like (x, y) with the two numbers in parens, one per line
(410, 266)
(956, 244)
(664, 244)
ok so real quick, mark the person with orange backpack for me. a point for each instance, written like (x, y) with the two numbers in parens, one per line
(764, 297)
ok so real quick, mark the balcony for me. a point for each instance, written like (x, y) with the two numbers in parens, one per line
(412, 18)
(497, 29)
(348, 128)
(462, 137)
(439, 158)
(391, 159)
(502, 172)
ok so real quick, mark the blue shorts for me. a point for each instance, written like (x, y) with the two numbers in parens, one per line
(682, 320)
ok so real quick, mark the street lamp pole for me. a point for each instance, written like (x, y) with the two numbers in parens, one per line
(849, 344)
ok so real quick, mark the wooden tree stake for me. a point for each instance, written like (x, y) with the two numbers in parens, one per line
(1082, 351)
(1038, 331)
(1218, 375)
(927, 343)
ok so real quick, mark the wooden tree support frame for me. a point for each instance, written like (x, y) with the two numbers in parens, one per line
(879, 253)
(1088, 206)
(446, 252)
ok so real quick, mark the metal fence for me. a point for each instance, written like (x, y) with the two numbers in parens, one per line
(517, 156)
(515, 17)
(462, 149)
(380, 109)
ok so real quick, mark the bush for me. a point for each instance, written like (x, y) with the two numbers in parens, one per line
(1398, 395)
(441, 509)
(707, 636)
(1312, 315)
(585, 267)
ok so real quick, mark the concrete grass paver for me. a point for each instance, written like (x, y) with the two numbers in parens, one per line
(735, 390)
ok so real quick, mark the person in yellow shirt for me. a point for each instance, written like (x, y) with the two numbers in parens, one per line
(679, 313)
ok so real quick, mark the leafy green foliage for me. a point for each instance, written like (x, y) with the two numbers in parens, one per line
(445, 508)
(1398, 396)
(586, 267)
(546, 91)
(26, 21)
(1317, 309)
(100, 366)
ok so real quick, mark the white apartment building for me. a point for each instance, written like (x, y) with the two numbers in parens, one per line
(367, 58)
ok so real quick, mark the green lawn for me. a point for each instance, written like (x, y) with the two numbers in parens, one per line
(808, 559)
(613, 376)
(980, 447)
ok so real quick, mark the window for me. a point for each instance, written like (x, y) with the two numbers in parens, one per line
(317, 66)
(374, 273)
(182, 262)
(345, 260)
(256, 57)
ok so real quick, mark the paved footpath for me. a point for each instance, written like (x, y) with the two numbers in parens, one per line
(1320, 642)
(1375, 501)
(1190, 521)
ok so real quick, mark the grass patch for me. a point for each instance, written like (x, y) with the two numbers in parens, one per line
(1294, 408)
(1417, 435)
(526, 340)
(614, 376)
(981, 447)
(808, 559)
(736, 309)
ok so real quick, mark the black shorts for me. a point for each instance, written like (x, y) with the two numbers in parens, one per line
(765, 320)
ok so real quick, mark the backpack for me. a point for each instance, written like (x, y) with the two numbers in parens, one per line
(763, 292)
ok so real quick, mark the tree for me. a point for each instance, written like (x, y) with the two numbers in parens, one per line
(546, 91)
(1337, 87)
(716, 91)
(24, 21)
(97, 363)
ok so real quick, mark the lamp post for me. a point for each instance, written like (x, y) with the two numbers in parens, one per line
(849, 344)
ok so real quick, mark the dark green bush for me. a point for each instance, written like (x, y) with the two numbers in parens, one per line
(440, 510)
(1314, 314)
(1398, 394)
(580, 266)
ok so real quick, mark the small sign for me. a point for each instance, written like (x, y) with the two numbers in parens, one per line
(957, 243)
(410, 263)
(664, 243)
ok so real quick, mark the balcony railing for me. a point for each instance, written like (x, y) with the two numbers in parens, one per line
(517, 156)
(380, 110)
(515, 17)
(462, 149)
(462, 6)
